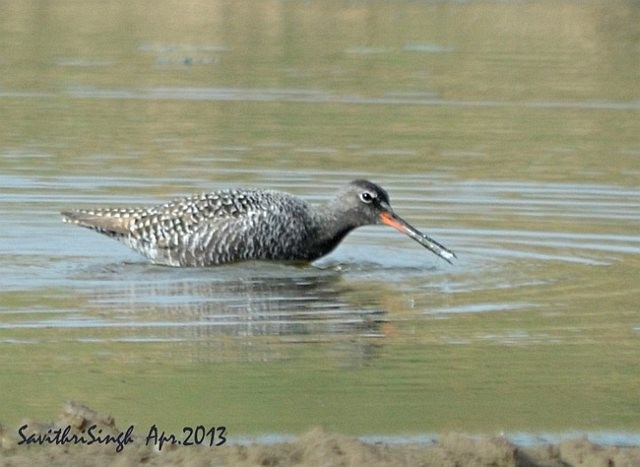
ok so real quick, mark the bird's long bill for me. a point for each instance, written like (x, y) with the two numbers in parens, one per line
(392, 219)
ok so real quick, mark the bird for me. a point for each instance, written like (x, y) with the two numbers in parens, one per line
(233, 225)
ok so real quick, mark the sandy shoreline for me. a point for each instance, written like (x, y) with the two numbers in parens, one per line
(80, 436)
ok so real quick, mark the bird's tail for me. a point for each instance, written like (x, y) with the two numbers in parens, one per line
(111, 222)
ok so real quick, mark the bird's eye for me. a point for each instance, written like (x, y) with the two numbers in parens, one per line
(366, 197)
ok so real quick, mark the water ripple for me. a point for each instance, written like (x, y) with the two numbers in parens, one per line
(307, 96)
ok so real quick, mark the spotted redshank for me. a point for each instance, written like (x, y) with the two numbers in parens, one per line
(234, 225)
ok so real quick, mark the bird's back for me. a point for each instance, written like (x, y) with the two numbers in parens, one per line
(208, 229)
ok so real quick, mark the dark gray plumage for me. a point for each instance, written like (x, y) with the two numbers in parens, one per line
(234, 225)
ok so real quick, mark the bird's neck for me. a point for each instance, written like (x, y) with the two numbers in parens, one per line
(331, 225)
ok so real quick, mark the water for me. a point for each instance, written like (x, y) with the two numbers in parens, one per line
(507, 131)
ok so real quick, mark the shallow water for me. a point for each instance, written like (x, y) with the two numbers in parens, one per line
(510, 132)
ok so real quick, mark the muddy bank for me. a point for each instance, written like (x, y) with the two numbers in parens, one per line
(80, 436)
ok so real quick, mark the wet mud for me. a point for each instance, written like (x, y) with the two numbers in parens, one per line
(66, 441)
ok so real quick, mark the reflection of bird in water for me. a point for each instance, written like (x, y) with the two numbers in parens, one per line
(241, 313)
(234, 225)
(261, 301)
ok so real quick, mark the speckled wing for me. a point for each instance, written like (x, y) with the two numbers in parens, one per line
(243, 226)
(200, 230)
(183, 232)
